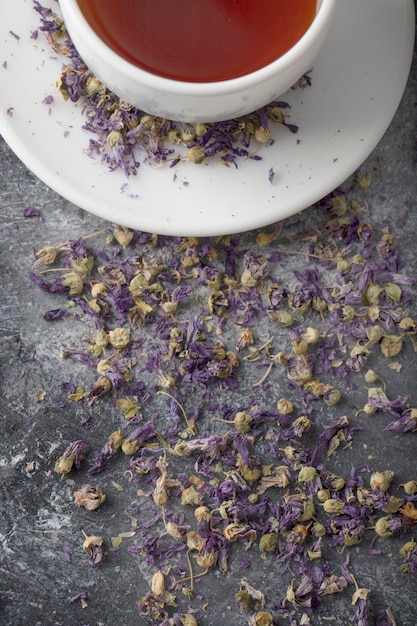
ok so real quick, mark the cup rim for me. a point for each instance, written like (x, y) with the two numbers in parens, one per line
(203, 89)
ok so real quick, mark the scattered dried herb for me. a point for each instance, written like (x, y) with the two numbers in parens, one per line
(123, 137)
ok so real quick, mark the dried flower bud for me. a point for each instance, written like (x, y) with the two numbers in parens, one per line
(74, 281)
(318, 529)
(196, 155)
(333, 506)
(195, 541)
(202, 513)
(158, 584)
(123, 235)
(190, 496)
(263, 135)
(207, 559)
(332, 397)
(119, 338)
(311, 335)
(381, 480)
(337, 482)
(242, 421)
(267, 543)
(89, 497)
(307, 474)
(263, 618)
(64, 465)
(323, 495)
(284, 406)
(382, 527)
(173, 531)
(129, 447)
(391, 345)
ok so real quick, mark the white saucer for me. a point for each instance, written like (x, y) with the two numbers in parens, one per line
(358, 80)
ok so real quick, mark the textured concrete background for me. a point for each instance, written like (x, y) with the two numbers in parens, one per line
(37, 516)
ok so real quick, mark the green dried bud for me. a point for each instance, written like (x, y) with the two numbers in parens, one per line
(285, 406)
(276, 115)
(64, 465)
(190, 496)
(332, 397)
(208, 559)
(119, 338)
(202, 513)
(242, 421)
(374, 334)
(393, 505)
(158, 584)
(74, 281)
(337, 482)
(318, 529)
(323, 495)
(113, 138)
(393, 291)
(391, 345)
(382, 527)
(196, 155)
(311, 335)
(268, 543)
(284, 318)
(333, 506)
(129, 447)
(408, 548)
(381, 480)
(307, 474)
(348, 313)
(93, 85)
(263, 135)
(339, 206)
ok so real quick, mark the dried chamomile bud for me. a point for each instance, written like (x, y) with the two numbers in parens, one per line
(263, 135)
(190, 496)
(196, 155)
(128, 406)
(119, 338)
(381, 480)
(263, 618)
(383, 527)
(202, 513)
(323, 495)
(332, 397)
(409, 487)
(74, 282)
(195, 541)
(267, 543)
(158, 584)
(64, 464)
(123, 235)
(207, 559)
(368, 409)
(242, 421)
(285, 406)
(311, 335)
(173, 531)
(89, 497)
(333, 506)
(306, 474)
(391, 345)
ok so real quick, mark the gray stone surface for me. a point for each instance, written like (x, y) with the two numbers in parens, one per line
(38, 518)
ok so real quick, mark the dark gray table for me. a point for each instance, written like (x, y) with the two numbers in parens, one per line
(39, 522)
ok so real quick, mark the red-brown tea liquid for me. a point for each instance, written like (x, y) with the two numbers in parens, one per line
(200, 40)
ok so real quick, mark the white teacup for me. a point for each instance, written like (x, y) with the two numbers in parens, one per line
(196, 101)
